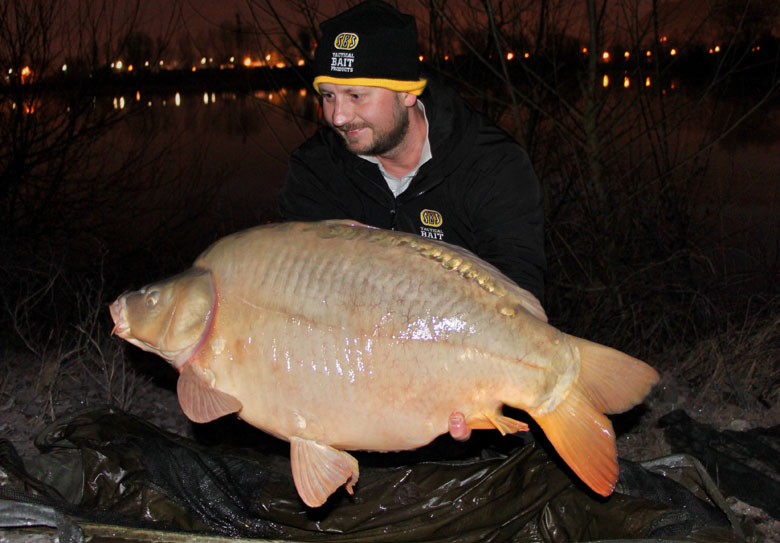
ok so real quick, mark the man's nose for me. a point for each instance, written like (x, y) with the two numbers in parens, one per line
(342, 114)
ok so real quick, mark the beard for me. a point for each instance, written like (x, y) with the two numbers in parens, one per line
(384, 141)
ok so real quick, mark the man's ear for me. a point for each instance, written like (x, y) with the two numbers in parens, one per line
(409, 99)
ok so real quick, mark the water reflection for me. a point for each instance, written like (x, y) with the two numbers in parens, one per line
(239, 142)
(297, 101)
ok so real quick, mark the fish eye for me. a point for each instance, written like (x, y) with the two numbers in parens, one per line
(152, 297)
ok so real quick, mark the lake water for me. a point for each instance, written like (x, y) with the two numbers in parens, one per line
(243, 140)
(209, 163)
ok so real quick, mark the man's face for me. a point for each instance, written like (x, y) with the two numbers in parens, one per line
(372, 120)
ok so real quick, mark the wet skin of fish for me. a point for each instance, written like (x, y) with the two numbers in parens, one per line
(335, 336)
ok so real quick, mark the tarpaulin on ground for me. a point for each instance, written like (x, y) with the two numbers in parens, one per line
(746, 464)
(107, 468)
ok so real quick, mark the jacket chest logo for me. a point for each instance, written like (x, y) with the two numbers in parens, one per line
(431, 218)
(431, 221)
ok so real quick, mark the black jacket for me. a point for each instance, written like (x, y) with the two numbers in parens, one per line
(479, 191)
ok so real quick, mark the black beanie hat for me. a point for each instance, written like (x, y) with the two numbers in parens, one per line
(371, 44)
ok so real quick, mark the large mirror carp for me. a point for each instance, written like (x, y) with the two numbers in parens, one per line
(336, 336)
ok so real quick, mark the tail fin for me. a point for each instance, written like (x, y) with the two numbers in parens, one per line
(609, 382)
(613, 381)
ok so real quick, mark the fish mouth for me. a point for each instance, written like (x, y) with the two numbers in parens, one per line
(121, 327)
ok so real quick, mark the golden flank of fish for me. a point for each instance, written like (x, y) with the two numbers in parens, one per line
(335, 336)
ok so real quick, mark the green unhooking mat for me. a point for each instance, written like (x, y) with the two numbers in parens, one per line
(107, 473)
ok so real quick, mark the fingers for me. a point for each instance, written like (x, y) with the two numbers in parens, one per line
(459, 430)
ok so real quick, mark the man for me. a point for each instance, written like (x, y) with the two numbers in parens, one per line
(404, 152)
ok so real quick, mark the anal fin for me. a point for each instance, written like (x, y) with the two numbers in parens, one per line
(319, 470)
(489, 420)
(199, 400)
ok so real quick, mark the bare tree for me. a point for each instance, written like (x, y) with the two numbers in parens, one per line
(596, 93)
(75, 172)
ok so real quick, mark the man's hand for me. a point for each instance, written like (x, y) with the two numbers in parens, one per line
(459, 430)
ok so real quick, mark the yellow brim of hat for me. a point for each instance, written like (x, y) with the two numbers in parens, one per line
(412, 87)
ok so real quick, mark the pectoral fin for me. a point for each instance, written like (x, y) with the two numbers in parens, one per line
(318, 470)
(199, 400)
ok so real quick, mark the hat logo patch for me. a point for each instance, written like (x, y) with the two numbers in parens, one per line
(343, 59)
(346, 41)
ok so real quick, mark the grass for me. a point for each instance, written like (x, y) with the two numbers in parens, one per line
(738, 368)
